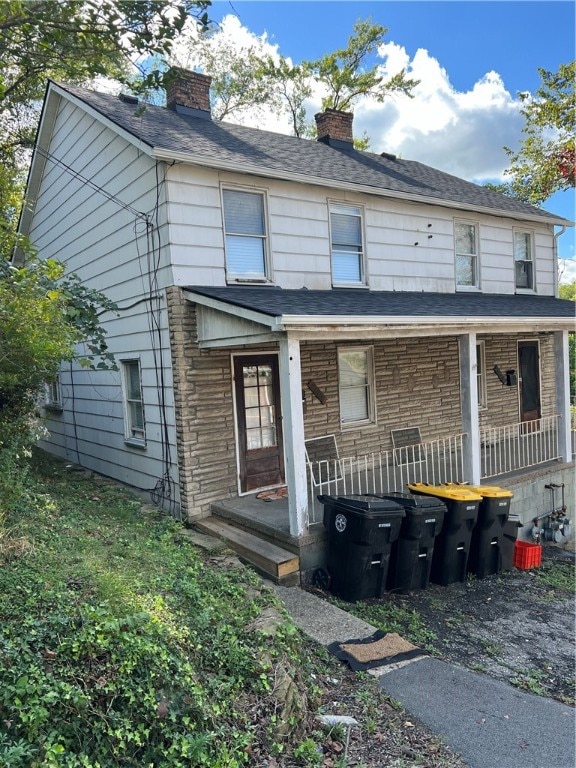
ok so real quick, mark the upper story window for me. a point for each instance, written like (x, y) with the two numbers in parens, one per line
(523, 260)
(466, 247)
(133, 401)
(245, 231)
(356, 386)
(346, 245)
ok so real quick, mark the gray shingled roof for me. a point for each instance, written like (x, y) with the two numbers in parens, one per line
(276, 154)
(342, 302)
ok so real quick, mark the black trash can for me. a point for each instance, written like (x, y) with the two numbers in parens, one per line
(511, 528)
(411, 555)
(361, 530)
(452, 545)
(486, 556)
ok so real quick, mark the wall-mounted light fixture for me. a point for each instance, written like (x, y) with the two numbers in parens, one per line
(508, 379)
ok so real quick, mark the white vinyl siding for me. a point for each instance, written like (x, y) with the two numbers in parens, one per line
(523, 260)
(356, 385)
(245, 232)
(133, 402)
(466, 249)
(346, 244)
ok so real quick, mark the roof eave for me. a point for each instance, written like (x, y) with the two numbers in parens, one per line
(170, 155)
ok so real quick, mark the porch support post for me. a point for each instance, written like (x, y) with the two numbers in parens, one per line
(561, 363)
(293, 429)
(469, 407)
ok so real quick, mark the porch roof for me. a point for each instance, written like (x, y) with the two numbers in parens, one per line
(281, 309)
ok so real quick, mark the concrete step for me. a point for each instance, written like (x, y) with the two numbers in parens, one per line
(282, 566)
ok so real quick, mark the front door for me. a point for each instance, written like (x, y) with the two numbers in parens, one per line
(529, 380)
(258, 414)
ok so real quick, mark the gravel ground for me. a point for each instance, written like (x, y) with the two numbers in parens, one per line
(516, 626)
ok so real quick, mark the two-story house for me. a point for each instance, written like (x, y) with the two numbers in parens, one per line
(294, 313)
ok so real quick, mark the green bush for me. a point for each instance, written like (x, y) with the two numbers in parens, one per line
(121, 646)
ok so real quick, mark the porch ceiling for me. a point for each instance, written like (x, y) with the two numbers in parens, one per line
(254, 314)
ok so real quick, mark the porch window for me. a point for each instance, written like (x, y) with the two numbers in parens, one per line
(466, 245)
(346, 245)
(523, 260)
(53, 395)
(481, 374)
(133, 402)
(356, 386)
(245, 232)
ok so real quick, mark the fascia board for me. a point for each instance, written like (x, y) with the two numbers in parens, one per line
(231, 309)
(169, 155)
(298, 321)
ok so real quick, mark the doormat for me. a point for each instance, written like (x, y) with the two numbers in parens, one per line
(378, 650)
(273, 495)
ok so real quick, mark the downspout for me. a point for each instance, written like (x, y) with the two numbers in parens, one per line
(556, 235)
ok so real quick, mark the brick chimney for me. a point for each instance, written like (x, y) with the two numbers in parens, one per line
(189, 93)
(335, 128)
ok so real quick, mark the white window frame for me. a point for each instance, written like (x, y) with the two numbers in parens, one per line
(133, 434)
(348, 209)
(53, 394)
(481, 375)
(530, 235)
(370, 418)
(475, 286)
(246, 276)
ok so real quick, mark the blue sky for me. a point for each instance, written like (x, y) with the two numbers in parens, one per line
(472, 58)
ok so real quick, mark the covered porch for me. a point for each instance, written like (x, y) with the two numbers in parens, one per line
(291, 323)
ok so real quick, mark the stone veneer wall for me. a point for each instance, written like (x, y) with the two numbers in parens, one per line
(417, 383)
(503, 405)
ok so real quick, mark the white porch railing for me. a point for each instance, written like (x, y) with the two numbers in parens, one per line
(518, 446)
(437, 461)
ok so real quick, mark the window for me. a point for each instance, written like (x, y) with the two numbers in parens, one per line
(53, 397)
(356, 385)
(133, 403)
(523, 261)
(481, 374)
(346, 244)
(245, 231)
(466, 244)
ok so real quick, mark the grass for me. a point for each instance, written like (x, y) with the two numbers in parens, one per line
(558, 575)
(112, 646)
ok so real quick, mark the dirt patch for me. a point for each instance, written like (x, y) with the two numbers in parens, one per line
(516, 626)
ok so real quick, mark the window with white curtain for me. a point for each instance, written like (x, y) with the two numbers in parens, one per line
(466, 248)
(346, 244)
(245, 233)
(356, 385)
(523, 260)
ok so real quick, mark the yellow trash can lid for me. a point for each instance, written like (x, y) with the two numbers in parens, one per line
(453, 492)
(486, 491)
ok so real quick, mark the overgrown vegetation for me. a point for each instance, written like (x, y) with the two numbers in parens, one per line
(119, 645)
(123, 645)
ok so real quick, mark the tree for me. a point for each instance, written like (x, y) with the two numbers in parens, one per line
(75, 41)
(344, 76)
(546, 160)
(255, 76)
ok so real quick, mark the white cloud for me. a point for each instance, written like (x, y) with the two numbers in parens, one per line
(567, 270)
(459, 132)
